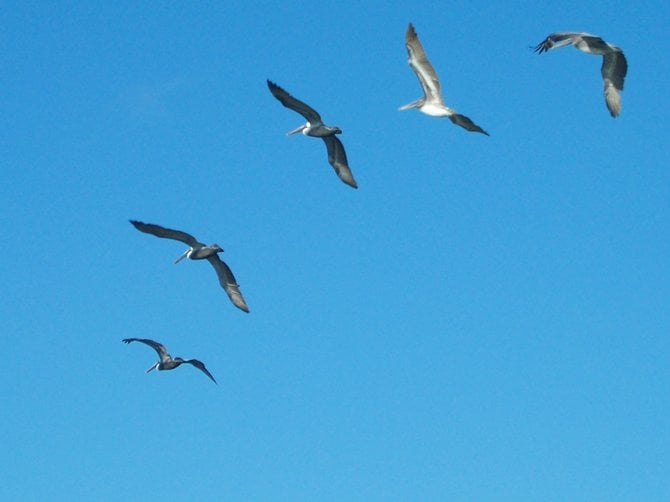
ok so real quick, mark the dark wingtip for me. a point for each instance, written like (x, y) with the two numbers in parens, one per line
(271, 85)
(541, 47)
(240, 304)
(411, 32)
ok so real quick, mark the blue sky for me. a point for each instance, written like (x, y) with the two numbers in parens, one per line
(485, 318)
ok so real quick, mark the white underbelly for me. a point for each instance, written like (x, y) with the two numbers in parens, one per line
(435, 110)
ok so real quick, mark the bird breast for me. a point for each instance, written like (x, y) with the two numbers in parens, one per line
(203, 253)
(320, 130)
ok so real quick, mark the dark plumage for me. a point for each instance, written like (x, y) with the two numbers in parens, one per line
(315, 127)
(199, 251)
(613, 69)
(166, 361)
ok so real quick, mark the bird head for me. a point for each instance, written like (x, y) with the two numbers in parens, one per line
(184, 255)
(300, 128)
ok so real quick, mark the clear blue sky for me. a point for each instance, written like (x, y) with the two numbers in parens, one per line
(485, 318)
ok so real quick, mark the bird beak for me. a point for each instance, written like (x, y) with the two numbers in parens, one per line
(297, 129)
(182, 256)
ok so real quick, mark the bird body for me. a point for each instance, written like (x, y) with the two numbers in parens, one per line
(199, 251)
(166, 362)
(432, 102)
(316, 128)
(613, 69)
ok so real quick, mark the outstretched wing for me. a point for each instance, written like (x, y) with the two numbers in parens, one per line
(338, 159)
(201, 366)
(165, 233)
(294, 104)
(159, 348)
(421, 66)
(466, 123)
(228, 282)
(556, 40)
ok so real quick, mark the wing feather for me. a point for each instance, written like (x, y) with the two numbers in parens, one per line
(158, 347)
(337, 158)
(421, 66)
(294, 104)
(201, 366)
(228, 282)
(166, 233)
(466, 123)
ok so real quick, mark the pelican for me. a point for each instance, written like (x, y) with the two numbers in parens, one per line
(315, 127)
(614, 66)
(199, 251)
(431, 103)
(167, 362)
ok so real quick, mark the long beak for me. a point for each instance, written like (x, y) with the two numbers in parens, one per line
(155, 365)
(297, 129)
(183, 255)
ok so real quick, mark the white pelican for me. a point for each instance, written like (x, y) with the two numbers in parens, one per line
(167, 362)
(431, 103)
(199, 251)
(614, 66)
(315, 127)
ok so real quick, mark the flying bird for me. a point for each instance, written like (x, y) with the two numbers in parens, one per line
(167, 362)
(199, 251)
(315, 127)
(431, 103)
(614, 66)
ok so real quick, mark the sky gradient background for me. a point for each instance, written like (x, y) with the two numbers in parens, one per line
(485, 318)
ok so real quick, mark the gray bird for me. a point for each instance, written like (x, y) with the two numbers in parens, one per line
(316, 128)
(199, 251)
(431, 103)
(613, 69)
(167, 362)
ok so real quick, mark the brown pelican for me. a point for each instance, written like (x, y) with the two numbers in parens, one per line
(167, 362)
(614, 66)
(315, 127)
(431, 103)
(199, 251)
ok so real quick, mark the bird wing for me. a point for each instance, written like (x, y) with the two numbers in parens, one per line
(228, 282)
(338, 159)
(159, 348)
(166, 233)
(614, 68)
(296, 105)
(585, 42)
(201, 366)
(466, 123)
(556, 40)
(421, 66)
(613, 71)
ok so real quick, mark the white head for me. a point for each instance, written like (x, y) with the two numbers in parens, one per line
(299, 129)
(185, 254)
